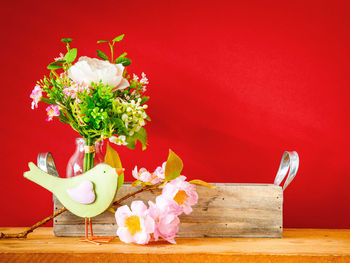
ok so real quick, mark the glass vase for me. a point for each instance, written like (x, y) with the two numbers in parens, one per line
(76, 163)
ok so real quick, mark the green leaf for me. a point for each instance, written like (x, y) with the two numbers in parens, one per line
(123, 55)
(123, 60)
(118, 38)
(102, 55)
(136, 183)
(58, 62)
(141, 135)
(66, 40)
(54, 66)
(102, 41)
(111, 209)
(202, 183)
(120, 180)
(112, 159)
(48, 101)
(71, 55)
(173, 167)
(63, 118)
(144, 99)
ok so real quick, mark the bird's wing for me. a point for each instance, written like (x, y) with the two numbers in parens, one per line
(83, 193)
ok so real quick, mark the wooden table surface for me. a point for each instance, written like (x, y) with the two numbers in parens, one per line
(297, 245)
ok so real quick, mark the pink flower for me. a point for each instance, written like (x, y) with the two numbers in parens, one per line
(74, 89)
(142, 175)
(69, 91)
(145, 176)
(60, 57)
(52, 110)
(182, 192)
(135, 225)
(36, 96)
(166, 221)
(159, 172)
(144, 79)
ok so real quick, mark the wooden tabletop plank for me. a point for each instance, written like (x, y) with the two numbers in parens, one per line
(309, 245)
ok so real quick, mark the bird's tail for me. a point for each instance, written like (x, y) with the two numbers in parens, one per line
(43, 179)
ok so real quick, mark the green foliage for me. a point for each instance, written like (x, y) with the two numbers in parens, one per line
(54, 66)
(112, 159)
(141, 136)
(202, 183)
(71, 55)
(173, 167)
(101, 55)
(97, 111)
(62, 61)
(144, 100)
(118, 38)
(66, 40)
(123, 60)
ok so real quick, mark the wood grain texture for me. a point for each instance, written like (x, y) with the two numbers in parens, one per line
(297, 245)
(229, 210)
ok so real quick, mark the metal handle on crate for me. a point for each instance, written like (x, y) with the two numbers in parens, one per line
(47, 164)
(289, 162)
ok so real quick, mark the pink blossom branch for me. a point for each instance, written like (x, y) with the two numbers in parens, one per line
(25, 233)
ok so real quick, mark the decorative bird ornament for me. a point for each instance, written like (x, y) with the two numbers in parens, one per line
(86, 195)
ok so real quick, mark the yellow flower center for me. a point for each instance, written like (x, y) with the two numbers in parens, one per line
(133, 224)
(180, 197)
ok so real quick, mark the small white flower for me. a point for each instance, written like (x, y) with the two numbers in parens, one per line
(144, 79)
(136, 78)
(61, 56)
(120, 140)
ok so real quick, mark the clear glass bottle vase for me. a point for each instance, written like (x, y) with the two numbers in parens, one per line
(75, 164)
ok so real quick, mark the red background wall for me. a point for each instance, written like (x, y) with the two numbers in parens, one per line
(233, 85)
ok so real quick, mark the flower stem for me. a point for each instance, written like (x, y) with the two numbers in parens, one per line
(111, 47)
(89, 156)
(33, 227)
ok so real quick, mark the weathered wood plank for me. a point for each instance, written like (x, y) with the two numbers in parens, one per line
(230, 210)
(297, 245)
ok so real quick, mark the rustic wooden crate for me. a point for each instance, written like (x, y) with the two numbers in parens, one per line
(229, 210)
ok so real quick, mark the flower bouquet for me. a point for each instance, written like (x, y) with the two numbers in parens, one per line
(97, 97)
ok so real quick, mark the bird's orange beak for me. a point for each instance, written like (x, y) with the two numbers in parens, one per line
(119, 171)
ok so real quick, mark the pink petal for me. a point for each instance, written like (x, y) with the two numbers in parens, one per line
(172, 241)
(163, 166)
(152, 210)
(121, 214)
(149, 224)
(138, 207)
(135, 174)
(124, 235)
(187, 209)
(169, 191)
(141, 238)
(145, 176)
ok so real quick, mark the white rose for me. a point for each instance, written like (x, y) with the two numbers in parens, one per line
(88, 70)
